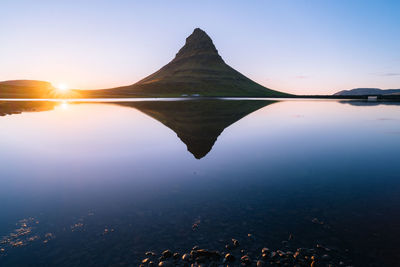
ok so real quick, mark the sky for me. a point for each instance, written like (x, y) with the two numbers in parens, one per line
(295, 46)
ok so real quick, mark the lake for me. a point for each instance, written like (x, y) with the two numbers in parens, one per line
(100, 184)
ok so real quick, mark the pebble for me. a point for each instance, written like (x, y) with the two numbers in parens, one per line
(166, 254)
(165, 264)
(176, 255)
(186, 257)
(209, 258)
(229, 258)
(265, 251)
(245, 260)
(150, 254)
(261, 263)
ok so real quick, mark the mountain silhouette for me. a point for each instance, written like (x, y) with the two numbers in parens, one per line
(368, 91)
(197, 69)
(198, 123)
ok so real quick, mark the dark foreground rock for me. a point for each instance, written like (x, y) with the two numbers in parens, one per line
(232, 256)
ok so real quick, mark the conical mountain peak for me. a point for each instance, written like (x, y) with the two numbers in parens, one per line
(197, 69)
(198, 43)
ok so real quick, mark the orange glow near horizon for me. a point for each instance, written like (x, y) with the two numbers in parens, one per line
(62, 87)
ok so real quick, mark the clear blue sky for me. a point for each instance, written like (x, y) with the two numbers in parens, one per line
(298, 46)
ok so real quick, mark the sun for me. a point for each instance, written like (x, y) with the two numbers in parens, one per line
(62, 87)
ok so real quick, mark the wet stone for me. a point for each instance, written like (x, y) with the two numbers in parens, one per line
(166, 254)
(165, 264)
(150, 254)
(265, 251)
(246, 261)
(186, 257)
(229, 258)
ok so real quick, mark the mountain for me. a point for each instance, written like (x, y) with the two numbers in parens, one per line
(197, 69)
(198, 123)
(368, 91)
(24, 89)
(33, 89)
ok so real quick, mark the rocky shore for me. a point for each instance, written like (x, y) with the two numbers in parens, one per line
(233, 254)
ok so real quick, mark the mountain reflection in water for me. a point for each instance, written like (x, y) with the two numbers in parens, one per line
(17, 107)
(198, 123)
(102, 183)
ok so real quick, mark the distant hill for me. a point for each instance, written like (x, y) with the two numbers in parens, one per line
(24, 89)
(27, 83)
(368, 91)
(197, 69)
(32, 89)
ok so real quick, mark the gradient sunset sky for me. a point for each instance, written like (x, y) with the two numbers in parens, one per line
(298, 46)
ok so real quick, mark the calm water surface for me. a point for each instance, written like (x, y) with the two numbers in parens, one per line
(99, 184)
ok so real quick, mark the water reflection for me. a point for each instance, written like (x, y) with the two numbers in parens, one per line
(18, 107)
(369, 103)
(111, 178)
(198, 123)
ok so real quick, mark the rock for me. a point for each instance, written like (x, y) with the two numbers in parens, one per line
(245, 260)
(229, 258)
(207, 254)
(229, 246)
(150, 254)
(165, 264)
(265, 251)
(186, 257)
(176, 256)
(166, 254)
(261, 263)
(235, 243)
(151, 264)
(195, 226)
(146, 261)
(281, 253)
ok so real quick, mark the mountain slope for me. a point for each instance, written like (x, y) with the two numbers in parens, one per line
(24, 89)
(33, 89)
(368, 91)
(197, 69)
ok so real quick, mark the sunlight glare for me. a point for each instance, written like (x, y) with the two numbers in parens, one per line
(62, 87)
(64, 105)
